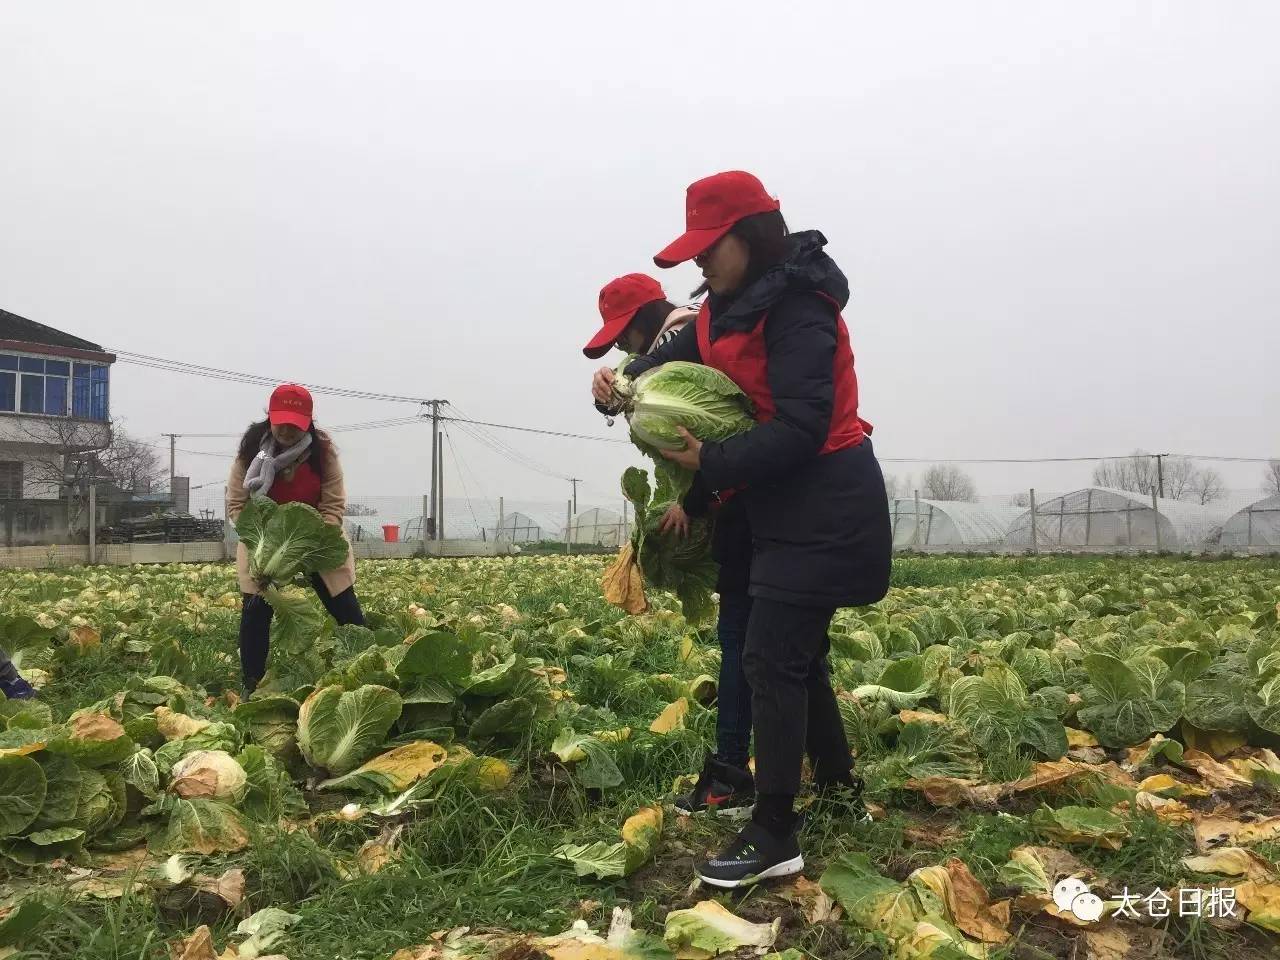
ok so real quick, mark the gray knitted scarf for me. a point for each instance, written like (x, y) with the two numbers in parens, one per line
(262, 471)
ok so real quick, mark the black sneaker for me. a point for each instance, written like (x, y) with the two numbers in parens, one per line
(17, 689)
(755, 854)
(721, 788)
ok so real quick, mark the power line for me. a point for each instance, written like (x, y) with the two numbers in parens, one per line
(549, 433)
(337, 428)
(476, 431)
(462, 481)
(219, 373)
(1200, 456)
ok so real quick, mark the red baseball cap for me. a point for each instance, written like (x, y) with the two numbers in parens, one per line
(290, 404)
(619, 301)
(712, 206)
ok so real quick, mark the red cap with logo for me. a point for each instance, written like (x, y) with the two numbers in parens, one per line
(290, 404)
(619, 301)
(712, 206)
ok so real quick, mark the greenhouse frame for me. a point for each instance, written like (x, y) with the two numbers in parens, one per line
(516, 528)
(949, 523)
(1106, 517)
(1255, 525)
(598, 526)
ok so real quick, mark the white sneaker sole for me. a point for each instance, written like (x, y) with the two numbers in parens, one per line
(731, 813)
(785, 869)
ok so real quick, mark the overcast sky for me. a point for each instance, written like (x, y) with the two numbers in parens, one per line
(1061, 221)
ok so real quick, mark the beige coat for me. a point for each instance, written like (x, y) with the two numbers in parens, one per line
(333, 507)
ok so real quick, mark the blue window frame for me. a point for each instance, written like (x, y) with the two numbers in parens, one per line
(55, 396)
(32, 394)
(53, 387)
(99, 407)
(81, 392)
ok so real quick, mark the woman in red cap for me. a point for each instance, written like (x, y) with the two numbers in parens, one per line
(811, 485)
(288, 459)
(638, 319)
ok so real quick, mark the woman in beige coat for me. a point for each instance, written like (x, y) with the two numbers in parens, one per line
(289, 460)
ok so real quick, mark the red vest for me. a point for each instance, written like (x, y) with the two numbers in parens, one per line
(740, 355)
(302, 487)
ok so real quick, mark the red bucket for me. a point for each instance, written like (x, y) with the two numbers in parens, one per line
(391, 533)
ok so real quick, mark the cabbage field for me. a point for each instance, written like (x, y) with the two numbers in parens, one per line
(1064, 758)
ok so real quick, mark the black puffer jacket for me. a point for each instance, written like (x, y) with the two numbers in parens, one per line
(819, 524)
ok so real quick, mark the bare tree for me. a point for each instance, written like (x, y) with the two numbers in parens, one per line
(1271, 479)
(1135, 473)
(1179, 477)
(360, 510)
(132, 464)
(60, 458)
(897, 486)
(1020, 500)
(1207, 486)
(65, 456)
(946, 481)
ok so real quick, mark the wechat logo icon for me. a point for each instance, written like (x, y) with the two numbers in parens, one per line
(1072, 895)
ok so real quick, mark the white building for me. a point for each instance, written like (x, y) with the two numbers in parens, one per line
(54, 414)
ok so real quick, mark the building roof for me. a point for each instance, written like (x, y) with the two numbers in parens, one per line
(14, 327)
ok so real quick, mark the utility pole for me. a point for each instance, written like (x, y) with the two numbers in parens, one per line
(1160, 472)
(435, 448)
(575, 493)
(173, 444)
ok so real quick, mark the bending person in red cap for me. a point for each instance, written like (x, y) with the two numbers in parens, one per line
(287, 458)
(638, 319)
(811, 485)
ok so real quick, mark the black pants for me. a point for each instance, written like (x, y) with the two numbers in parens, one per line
(733, 699)
(255, 624)
(792, 704)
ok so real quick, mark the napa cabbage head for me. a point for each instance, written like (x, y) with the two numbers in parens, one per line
(285, 541)
(679, 394)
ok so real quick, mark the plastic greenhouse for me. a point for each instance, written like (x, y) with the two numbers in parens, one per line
(516, 528)
(1104, 517)
(1257, 525)
(950, 523)
(597, 526)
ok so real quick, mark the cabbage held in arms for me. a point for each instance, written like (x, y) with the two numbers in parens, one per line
(679, 394)
(288, 541)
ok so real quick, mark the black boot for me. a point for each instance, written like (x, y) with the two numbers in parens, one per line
(721, 788)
